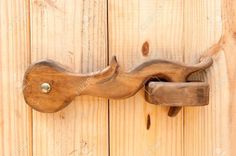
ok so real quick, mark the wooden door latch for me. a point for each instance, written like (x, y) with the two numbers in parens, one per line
(49, 86)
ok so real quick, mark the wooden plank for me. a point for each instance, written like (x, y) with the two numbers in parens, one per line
(15, 115)
(228, 51)
(73, 33)
(206, 131)
(139, 31)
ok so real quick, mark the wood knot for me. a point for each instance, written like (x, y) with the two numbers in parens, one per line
(145, 48)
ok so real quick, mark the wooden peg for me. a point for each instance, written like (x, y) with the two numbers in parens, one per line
(177, 94)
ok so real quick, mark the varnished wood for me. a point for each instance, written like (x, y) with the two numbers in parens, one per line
(108, 83)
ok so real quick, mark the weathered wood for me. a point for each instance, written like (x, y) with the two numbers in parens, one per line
(109, 83)
(72, 32)
(177, 93)
(15, 115)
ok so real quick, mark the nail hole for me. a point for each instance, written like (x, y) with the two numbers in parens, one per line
(148, 122)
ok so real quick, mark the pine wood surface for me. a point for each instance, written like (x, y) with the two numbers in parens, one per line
(84, 35)
(15, 116)
(73, 33)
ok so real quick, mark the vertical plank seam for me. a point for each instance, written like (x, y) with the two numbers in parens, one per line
(183, 114)
(107, 29)
(30, 112)
(108, 101)
(1, 97)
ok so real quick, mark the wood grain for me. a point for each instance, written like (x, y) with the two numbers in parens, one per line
(15, 115)
(227, 57)
(73, 33)
(139, 31)
(206, 129)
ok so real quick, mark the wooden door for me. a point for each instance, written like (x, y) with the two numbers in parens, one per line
(84, 35)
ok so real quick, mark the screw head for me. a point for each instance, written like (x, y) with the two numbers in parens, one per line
(45, 88)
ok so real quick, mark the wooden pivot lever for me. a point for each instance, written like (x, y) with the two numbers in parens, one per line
(49, 87)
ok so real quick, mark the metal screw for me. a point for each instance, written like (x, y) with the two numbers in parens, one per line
(45, 87)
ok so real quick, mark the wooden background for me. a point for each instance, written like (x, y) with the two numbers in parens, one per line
(84, 35)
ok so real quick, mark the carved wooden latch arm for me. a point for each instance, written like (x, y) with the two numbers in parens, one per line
(49, 86)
